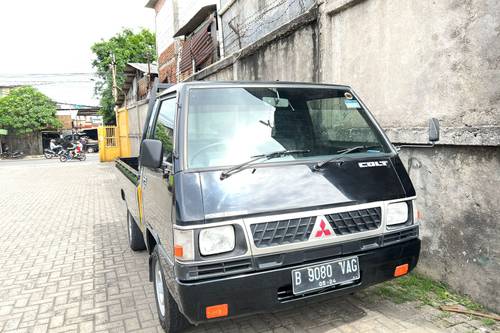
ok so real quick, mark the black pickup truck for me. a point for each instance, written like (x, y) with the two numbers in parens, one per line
(251, 196)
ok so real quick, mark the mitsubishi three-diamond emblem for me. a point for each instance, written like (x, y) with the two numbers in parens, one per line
(322, 229)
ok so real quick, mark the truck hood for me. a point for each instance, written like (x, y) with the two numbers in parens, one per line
(286, 188)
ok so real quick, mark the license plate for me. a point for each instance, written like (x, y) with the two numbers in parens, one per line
(324, 275)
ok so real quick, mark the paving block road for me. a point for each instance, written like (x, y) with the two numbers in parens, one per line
(65, 266)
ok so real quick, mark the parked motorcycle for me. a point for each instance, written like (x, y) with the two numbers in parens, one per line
(49, 153)
(16, 154)
(67, 155)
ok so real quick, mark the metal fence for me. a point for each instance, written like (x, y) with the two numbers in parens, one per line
(111, 140)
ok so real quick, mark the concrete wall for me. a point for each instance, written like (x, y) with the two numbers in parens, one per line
(289, 54)
(245, 22)
(458, 193)
(410, 61)
(29, 144)
(413, 60)
(289, 58)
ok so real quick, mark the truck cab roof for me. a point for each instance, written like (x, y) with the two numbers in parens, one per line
(181, 86)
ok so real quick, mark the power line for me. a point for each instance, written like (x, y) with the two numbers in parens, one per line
(46, 83)
(47, 74)
(43, 83)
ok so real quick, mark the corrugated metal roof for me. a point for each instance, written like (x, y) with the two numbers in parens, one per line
(130, 73)
(202, 45)
(196, 20)
(151, 4)
(143, 67)
(198, 48)
(186, 59)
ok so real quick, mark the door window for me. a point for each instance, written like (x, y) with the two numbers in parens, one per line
(164, 128)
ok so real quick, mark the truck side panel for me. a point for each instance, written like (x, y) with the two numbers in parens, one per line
(129, 181)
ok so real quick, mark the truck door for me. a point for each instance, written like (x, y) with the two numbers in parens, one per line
(157, 192)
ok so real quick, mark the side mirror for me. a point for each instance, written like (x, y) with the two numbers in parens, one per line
(151, 153)
(433, 130)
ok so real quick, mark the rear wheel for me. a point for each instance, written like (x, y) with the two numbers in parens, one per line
(171, 319)
(48, 155)
(135, 237)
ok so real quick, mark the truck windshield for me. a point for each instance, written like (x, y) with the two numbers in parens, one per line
(227, 126)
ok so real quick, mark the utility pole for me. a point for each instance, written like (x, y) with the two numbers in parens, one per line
(113, 73)
(148, 56)
(115, 91)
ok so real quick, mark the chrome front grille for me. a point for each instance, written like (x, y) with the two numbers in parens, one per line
(282, 232)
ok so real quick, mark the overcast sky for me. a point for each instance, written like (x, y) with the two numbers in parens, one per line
(55, 36)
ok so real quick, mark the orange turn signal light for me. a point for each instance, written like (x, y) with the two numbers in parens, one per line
(401, 270)
(215, 311)
(419, 215)
(178, 251)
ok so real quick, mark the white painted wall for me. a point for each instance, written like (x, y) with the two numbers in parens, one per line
(187, 9)
(165, 26)
(172, 16)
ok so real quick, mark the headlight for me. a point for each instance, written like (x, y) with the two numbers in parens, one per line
(216, 240)
(397, 213)
(184, 244)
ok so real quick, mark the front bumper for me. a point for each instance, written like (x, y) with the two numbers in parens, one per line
(268, 290)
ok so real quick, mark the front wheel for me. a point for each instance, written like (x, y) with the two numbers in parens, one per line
(135, 237)
(171, 319)
(63, 158)
(83, 157)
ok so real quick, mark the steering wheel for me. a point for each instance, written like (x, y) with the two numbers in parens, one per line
(208, 147)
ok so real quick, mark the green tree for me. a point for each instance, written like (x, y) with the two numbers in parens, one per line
(126, 46)
(26, 110)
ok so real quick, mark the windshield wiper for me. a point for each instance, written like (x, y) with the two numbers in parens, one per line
(275, 154)
(342, 152)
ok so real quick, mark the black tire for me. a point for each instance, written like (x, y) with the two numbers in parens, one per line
(135, 237)
(171, 319)
(63, 158)
(48, 155)
(83, 157)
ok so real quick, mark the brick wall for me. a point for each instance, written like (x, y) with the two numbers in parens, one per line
(167, 63)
